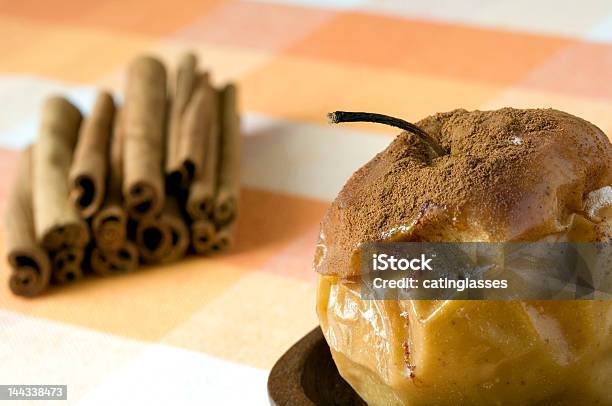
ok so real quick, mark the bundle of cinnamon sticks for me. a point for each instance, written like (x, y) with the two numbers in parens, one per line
(142, 182)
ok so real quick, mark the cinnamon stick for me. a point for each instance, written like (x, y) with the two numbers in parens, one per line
(228, 184)
(154, 239)
(164, 239)
(109, 225)
(144, 120)
(224, 238)
(201, 199)
(197, 123)
(125, 259)
(203, 236)
(186, 79)
(67, 265)
(179, 233)
(31, 269)
(57, 223)
(89, 166)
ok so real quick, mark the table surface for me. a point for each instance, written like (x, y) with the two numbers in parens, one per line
(207, 330)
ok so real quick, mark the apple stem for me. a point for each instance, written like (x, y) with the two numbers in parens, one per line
(357, 116)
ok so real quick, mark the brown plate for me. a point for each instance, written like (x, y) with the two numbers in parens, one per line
(307, 375)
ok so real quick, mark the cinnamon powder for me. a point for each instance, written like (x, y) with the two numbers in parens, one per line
(509, 174)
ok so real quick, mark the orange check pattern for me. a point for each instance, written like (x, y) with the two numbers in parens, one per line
(207, 330)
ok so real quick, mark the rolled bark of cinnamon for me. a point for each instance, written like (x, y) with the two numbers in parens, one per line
(201, 199)
(224, 238)
(203, 236)
(144, 120)
(165, 239)
(154, 239)
(179, 233)
(57, 222)
(197, 123)
(228, 184)
(186, 79)
(67, 265)
(109, 225)
(88, 172)
(31, 268)
(125, 259)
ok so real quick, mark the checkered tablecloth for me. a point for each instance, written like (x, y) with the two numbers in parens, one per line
(206, 331)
